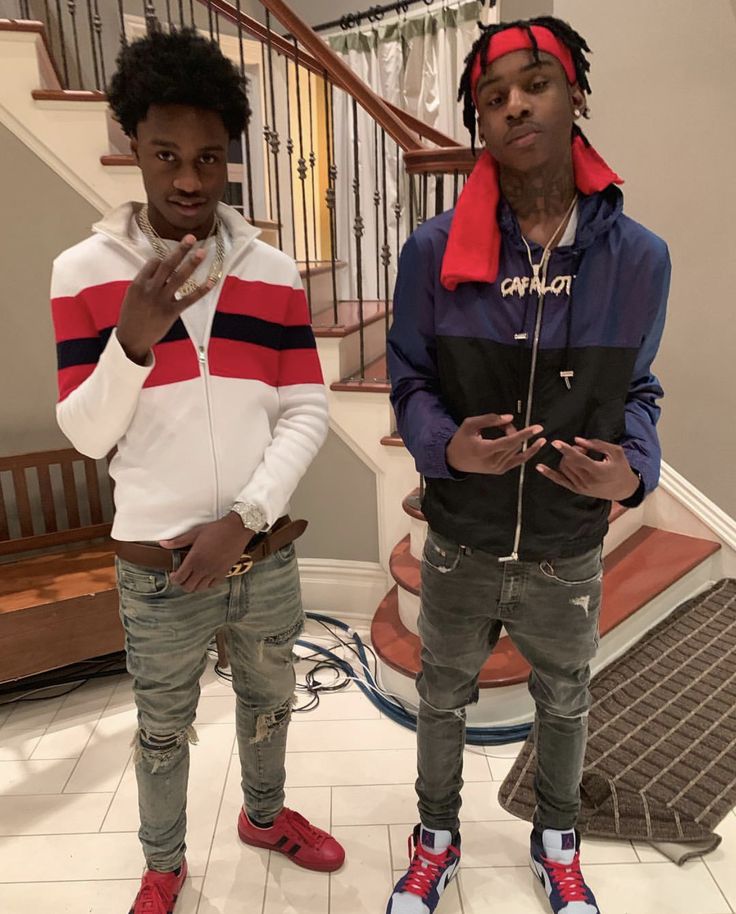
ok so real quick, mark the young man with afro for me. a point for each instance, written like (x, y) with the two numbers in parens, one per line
(526, 323)
(184, 344)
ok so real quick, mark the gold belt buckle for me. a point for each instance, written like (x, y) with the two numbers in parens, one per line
(242, 566)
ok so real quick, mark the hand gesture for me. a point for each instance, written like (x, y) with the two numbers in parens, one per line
(151, 305)
(611, 479)
(469, 452)
(215, 548)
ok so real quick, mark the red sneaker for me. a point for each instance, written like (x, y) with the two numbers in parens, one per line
(159, 891)
(291, 834)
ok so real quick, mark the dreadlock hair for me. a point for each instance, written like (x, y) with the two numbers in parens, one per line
(577, 45)
(177, 68)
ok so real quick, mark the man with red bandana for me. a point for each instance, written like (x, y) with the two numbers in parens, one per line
(526, 323)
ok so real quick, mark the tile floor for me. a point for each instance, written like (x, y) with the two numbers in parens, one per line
(68, 820)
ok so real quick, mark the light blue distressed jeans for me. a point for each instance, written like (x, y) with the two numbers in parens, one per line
(167, 633)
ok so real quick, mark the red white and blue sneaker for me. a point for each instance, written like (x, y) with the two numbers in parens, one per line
(435, 858)
(555, 860)
(159, 891)
(292, 835)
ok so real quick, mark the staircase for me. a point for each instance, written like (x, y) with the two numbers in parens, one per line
(347, 246)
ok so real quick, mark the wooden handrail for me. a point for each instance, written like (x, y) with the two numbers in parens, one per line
(327, 62)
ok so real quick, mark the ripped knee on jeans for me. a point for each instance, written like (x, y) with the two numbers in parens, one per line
(270, 722)
(159, 750)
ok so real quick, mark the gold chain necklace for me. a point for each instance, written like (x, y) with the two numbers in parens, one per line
(162, 250)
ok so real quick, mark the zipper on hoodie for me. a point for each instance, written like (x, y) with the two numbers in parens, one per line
(204, 368)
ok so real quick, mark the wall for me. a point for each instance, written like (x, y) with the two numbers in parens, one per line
(39, 225)
(663, 114)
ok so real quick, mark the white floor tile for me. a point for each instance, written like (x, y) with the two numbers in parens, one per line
(216, 709)
(16, 745)
(514, 888)
(106, 755)
(64, 740)
(53, 858)
(333, 735)
(363, 767)
(722, 862)
(661, 887)
(53, 815)
(34, 777)
(364, 883)
(110, 896)
(505, 750)
(596, 851)
(32, 717)
(500, 767)
(293, 890)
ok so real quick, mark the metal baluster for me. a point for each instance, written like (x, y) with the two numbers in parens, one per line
(398, 208)
(181, 13)
(46, 19)
(150, 17)
(72, 8)
(246, 132)
(376, 206)
(412, 193)
(358, 229)
(95, 66)
(425, 196)
(273, 141)
(62, 42)
(191, 13)
(290, 152)
(266, 130)
(210, 20)
(439, 194)
(386, 249)
(455, 187)
(97, 19)
(312, 162)
(123, 37)
(302, 172)
(330, 195)
(217, 25)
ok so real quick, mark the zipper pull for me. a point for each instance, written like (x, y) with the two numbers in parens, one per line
(514, 557)
(201, 355)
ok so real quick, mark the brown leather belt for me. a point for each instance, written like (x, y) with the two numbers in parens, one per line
(283, 532)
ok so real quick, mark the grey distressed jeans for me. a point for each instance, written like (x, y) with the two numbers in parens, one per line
(550, 610)
(167, 633)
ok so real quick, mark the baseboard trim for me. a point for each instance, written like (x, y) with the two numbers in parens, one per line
(715, 518)
(349, 591)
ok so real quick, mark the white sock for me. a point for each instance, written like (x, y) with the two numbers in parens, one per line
(559, 846)
(434, 841)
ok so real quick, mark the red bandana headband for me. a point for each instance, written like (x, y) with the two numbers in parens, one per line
(474, 243)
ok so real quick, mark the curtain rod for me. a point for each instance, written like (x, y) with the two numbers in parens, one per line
(374, 14)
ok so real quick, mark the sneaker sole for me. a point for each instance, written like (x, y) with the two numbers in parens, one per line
(317, 867)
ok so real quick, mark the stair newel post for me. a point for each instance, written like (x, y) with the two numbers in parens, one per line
(246, 132)
(62, 43)
(302, 171)
(386, 247)
(330, 196)
(358, 230)
(273, 138)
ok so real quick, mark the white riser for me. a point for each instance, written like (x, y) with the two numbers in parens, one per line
(375, 346)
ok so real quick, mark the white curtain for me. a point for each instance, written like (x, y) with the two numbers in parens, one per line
(414, 61)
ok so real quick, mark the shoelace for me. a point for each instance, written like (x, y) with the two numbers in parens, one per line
(303, 829)
(424, 870)
(568, 879)
(153, 897)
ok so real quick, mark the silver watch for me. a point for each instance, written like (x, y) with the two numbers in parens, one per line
(253, 517)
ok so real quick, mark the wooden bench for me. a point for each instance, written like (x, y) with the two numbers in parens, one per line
(58, 599)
